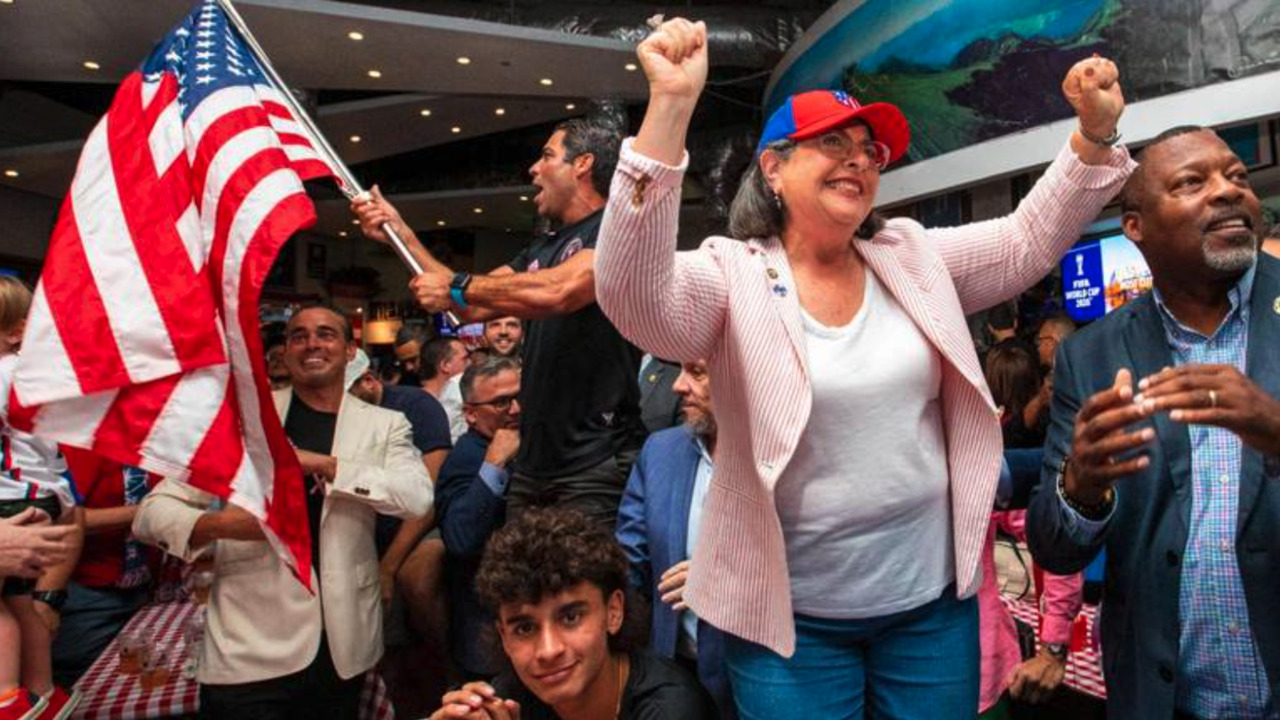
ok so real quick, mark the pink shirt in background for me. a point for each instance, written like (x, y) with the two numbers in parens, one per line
(1059, 605)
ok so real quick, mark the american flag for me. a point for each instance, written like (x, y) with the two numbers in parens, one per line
(142, 344)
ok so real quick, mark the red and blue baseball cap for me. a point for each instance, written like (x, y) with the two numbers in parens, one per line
(809, 114)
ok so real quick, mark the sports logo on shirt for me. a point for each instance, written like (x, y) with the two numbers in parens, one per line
(572, 248)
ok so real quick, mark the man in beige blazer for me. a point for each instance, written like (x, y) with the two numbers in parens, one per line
(272, 649)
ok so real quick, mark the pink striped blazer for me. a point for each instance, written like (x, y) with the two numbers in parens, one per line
(735, 304)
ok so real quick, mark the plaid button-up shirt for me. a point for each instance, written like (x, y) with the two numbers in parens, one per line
(1220, 673)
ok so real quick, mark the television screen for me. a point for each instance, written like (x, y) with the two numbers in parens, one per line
(1102, 274)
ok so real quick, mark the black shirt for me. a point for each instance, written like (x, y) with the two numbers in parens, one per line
(579, 399)
(657, 689)
(310, 429)
(430, 425)
(426, 416)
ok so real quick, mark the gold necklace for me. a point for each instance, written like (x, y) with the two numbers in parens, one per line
(617, 710)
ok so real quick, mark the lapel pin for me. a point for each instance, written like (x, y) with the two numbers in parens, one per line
(780, 290)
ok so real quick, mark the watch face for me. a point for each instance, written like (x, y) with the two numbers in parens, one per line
(53, 598)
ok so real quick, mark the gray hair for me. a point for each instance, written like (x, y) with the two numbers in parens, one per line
(487, 367)
(756, 212)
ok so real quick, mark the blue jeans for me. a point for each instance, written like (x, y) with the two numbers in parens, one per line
(90, 619)
(921, 663)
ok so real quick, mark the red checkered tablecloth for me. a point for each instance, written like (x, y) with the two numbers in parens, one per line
(1084, 666)
(108, 694)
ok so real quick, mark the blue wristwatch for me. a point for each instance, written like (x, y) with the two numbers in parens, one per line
(458, 288)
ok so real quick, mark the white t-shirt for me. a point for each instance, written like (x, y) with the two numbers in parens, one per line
(451, 400)
(864, 503)
(29, 466)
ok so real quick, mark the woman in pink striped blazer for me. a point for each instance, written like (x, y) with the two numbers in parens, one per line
(859, 450)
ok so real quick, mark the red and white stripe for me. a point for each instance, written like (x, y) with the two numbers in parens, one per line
(736, 305)
(142, 344)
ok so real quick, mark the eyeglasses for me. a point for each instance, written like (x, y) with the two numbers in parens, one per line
(501, 404)
(839, 146)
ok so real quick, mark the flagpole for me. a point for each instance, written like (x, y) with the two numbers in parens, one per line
(350, 185)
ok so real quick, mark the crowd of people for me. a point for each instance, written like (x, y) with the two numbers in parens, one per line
(759, 479)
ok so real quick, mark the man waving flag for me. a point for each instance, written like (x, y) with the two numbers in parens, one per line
(142, 344)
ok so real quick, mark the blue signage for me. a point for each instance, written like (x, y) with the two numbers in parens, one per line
(1083, 289)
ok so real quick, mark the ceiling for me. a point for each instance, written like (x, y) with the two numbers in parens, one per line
(459, 109)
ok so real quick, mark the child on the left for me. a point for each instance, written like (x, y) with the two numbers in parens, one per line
(33, 474)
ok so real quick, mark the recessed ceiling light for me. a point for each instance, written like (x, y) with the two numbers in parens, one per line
(546, 81)
(342, 233)
(355, 138)
(499, 111)
(356, 35)
(375, 73)
(631, 67)
(478, 211)
(570, 106)
(464, 60)
(11, 173)
(424, 112)
(455, 129)
(355, 222)
(440, 223)
(91, 65)
(524, 198)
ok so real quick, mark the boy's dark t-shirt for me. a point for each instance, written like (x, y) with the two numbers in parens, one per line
(657, 689)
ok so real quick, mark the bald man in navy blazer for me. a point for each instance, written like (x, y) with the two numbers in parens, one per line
(658, 524)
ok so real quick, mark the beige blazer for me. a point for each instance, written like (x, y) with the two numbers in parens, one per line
(262, 623)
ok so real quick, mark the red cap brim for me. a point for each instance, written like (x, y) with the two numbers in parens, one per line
(886, 121)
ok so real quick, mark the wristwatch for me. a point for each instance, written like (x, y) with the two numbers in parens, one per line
(1108, 141)
(53, 598)
(1058, 650)
(458, 288)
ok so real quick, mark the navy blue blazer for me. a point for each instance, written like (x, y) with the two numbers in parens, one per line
(653, 529)
(1147, 534)
(468, 513)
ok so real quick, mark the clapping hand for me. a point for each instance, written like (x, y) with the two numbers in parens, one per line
(1218, 395)
(1101, 436)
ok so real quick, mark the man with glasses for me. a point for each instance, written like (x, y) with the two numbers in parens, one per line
(471, 501)
(1052, 332)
